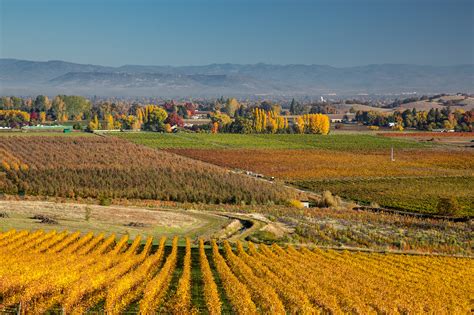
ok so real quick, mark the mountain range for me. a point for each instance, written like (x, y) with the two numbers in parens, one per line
(24, 77)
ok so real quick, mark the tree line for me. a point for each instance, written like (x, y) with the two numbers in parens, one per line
(445, 118)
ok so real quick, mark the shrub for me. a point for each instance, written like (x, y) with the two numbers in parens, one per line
(104, 201)
(295, 203)
(77, 126)
(448, 206)
(329, 200)
(374, 204)
(87, 214)
(397, 127)
(351, 205)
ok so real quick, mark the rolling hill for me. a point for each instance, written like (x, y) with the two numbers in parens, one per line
(24, 77)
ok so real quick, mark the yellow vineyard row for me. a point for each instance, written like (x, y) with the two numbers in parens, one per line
(77, 272)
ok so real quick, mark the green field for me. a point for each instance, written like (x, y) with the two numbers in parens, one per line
(411, 194)
(267, 141)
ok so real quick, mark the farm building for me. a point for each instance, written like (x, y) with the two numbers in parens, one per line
(341, 118)
(305, 203)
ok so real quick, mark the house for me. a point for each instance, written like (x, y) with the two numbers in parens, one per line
(443, 130)
(200, 114)
(305, 203)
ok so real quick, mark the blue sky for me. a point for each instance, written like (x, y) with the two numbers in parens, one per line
(194, 32)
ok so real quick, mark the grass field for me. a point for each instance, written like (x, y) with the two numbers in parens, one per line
(340, 142)
(46, 272)
(120, 220)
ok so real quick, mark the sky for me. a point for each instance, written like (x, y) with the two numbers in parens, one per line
(339, 33)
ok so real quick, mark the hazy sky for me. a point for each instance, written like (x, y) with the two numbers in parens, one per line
(332, 32)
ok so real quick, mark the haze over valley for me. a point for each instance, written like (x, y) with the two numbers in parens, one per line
(23, 77)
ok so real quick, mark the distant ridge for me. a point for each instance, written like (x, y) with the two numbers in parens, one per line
(24, 77)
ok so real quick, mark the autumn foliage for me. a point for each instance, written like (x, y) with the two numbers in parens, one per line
(66, 272)
(269, 121)
(101, 167)
(13, 118)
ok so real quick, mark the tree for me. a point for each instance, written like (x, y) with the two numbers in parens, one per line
(299, 124)
(242, 125)
(293, 106)
(397, 127)
(93, 124)
(272, 124)
(215, 127)
(41, 104)
(140, 116)
(182, 111)
(241, 112)
(269, 106)
(42, 117)
(110, 122)
(71, 105)
(155, 117)
(168, 128)
(316, 124)
(221, 119)
(64, 117)
(174, 120)
(231, 106)
(14, 118)
(58, 107)
(5, 103)
(259, 120)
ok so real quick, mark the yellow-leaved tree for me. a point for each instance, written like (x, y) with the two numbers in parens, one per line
(313, 123)
(93, 124)
(110, 122)
(42, 117)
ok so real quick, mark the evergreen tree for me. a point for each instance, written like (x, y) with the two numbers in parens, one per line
(293, 106)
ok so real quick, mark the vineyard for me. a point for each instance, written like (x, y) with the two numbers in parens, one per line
(427, 134)
(107, 168)
(329, 164)
(347, 228)
(355, 166)
(76, 273)
(413, 182)
(413, 194)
